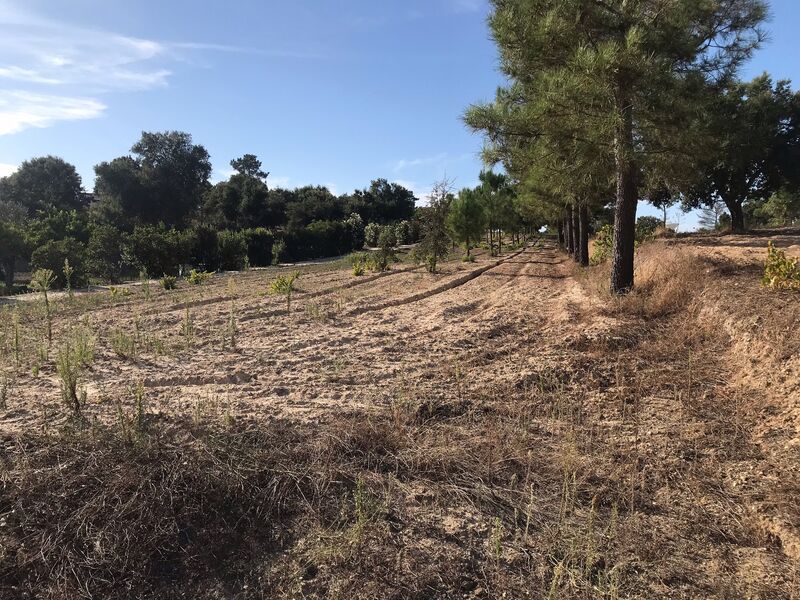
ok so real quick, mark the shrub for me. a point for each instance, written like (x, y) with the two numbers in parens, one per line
(158, 250)
(232, 250)
(371, 233)
(646, 227)
(359, 262)
(278, 251)
(284, 285)
(602, 244)
(259, 243)
(169, 282)
(203, 244)
(356, 226)
(403, 232)
(387, 238)
(197, 277)
(780, 271)
(51, 255)
(105, 256)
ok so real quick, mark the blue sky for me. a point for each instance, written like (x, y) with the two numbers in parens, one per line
(335, 93)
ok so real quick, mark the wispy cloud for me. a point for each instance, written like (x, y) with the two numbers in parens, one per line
(7, 169)
(57, 71)
(20, 110)
(406, 163)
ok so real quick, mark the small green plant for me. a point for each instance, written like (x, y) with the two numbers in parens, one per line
(123, 344)
(468, 258)
(117, 293)
(198, 277)
(138, 397)
(284, 286)
(145, 283)
(602, 245)
(41, 281)
(232, 328)
(278, 250)
(359, 264)
(68, 272)
(169, 282)
(70, 368)
(780, 271)
(187, 329)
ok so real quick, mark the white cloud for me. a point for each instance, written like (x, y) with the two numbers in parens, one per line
(404, 163)
(7, 169)
(20, 110)
(59, 69)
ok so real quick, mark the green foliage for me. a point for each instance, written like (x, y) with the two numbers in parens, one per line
(279, 251)
(780, 209)
(42, 281)
(602, 93)
(284, 285)
(105, 253)
(780, 271)
(53, 254)
(646, 227)
(156, 249)
(123, 344)
(71, 361)
(232, 250)
(356, 226)
(371, 233)
(259, 246)
(403, 232)
(43, 184)
(602, 245)
(467, 218)
(756, 130)
(196, 277)
(435, 242)
(387, 238)
(169, 282)
(359, 262)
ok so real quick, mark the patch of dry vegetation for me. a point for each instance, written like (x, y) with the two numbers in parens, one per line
(624, 464)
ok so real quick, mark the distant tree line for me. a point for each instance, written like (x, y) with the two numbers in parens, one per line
(155, 211)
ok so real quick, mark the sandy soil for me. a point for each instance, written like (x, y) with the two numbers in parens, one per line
(689, 425)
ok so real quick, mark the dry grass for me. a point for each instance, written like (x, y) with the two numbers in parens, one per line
(623, 465)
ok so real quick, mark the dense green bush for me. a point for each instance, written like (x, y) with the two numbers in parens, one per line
(371, 233)
(387, 237)
(319, 240)
(356, 225)
(259, 246)
(51, 255)
(203, 244)
(602, 244)
(158, 250)
(403, 232)
(232, 250)
(646, 227)
(105, 253)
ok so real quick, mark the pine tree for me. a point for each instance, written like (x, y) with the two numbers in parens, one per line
(622, 78)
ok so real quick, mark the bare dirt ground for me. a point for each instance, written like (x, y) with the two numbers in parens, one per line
(500, 429)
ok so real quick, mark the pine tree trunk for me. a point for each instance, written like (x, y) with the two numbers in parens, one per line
(583, 236)
(568, 233)
(627, 198)
(561, 242)
(499, 242)
(737, 216)
(576, 232)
